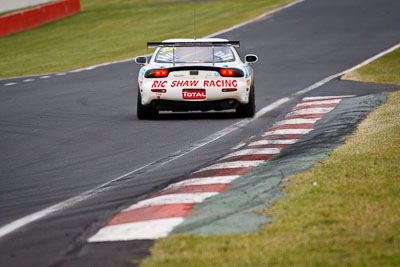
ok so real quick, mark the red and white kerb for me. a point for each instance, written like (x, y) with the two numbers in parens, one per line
(158, 214)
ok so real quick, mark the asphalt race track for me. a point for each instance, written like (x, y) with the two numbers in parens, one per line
(63, 135)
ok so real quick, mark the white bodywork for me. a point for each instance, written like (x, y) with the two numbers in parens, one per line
(175, 87)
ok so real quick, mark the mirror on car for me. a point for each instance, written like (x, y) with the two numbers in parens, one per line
(251, 58)
(141, 60)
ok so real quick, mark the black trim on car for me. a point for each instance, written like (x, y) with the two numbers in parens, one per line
(171, 105)
(151, 73)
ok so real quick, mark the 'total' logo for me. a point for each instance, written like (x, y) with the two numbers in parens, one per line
(194, 94)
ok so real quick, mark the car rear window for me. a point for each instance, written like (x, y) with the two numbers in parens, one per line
(195, 54)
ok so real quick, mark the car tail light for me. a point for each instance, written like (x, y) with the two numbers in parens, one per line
(226, 72)
(231, 72)
(160, 73)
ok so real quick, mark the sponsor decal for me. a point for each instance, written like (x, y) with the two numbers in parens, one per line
(194, 94)
(220, 83)
(195, 83)
(246, 71)
(191, 83)
(158, 84)
(141, 73)
(166, 50)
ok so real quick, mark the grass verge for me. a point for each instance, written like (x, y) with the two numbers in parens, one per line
(384, 70)
(351, 218)
(107, 30)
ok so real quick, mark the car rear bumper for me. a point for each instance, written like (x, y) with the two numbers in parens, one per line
(150, 93)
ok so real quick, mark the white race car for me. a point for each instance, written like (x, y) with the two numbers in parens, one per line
(195, 74)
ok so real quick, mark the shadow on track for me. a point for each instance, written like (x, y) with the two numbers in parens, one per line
(175, 116)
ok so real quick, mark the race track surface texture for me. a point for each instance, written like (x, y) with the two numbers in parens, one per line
(66, 134)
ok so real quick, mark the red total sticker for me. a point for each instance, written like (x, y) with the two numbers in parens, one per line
(194, 94)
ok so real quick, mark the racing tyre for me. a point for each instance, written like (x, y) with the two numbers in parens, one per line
(248, 110)
(144, 112)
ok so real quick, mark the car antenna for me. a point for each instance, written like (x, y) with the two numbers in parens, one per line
(194, 22)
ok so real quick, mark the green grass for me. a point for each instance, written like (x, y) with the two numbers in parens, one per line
(351, 218)
(384, 70)
(108, 30)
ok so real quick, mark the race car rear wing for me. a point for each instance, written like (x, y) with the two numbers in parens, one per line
(192, 44)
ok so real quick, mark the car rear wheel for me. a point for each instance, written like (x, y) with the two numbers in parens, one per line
(144, 112)
(249, 109)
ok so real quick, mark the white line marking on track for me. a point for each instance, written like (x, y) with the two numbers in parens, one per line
(28, 80)
(152, 229)
(9, 84)
(274, 142)
(44, 77)
(76, 71)
(61, 73)
(181, 198)
(287, 131)
(238, 146)
(268, 108)
(206, 180)
(231, 164)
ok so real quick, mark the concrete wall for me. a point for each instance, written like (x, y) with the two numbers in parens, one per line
(7, 5)
(34, 17)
